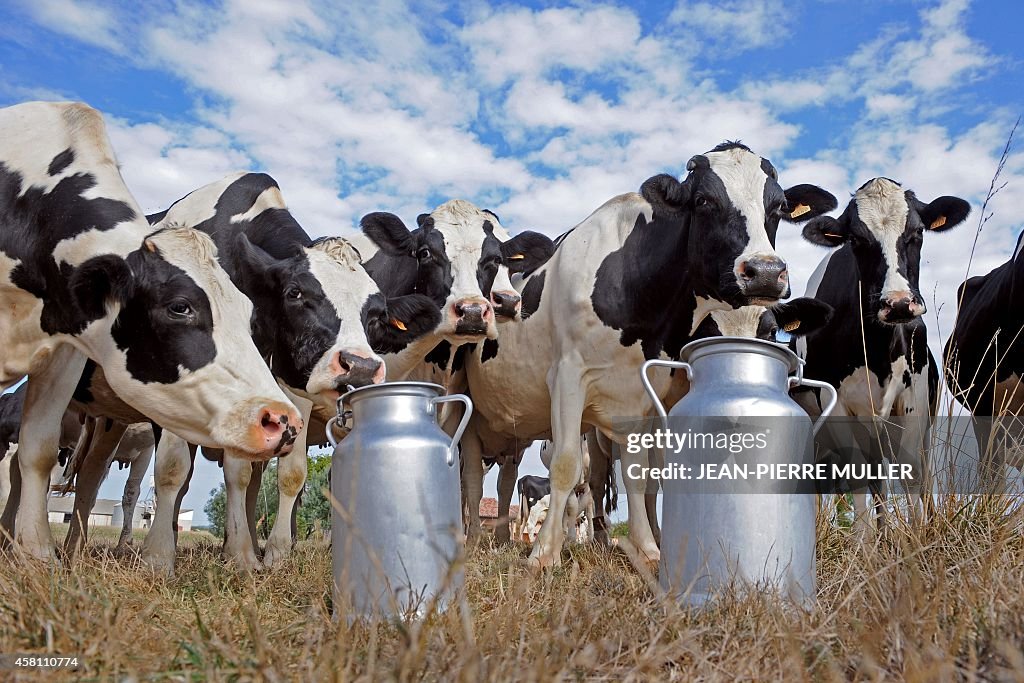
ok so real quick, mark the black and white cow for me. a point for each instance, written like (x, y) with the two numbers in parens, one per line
(530, 489)
(984, 360)
(314, 309)
(83, 274)
(876, 353)
(632, 282)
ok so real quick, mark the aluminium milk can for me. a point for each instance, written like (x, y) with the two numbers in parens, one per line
(396, 527)
(718, 531)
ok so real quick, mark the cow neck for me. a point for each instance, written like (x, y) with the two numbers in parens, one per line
(402, 363)
(656, 284)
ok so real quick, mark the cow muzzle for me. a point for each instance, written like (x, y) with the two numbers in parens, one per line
(271, 432)
(356, 369)
(506, 305)
(472, 317)
(763, 279)
(900, 307)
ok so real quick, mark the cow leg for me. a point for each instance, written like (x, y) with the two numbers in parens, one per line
(87, 482)
(291, 477)
(238, 548)
(641, 535)
(567, 402)
(174, 461)
(5, 474)
(252, 499)
(473, 482)
(508, 474)
(651, 510)
(48, 395)
(130, 497)
(10, 511)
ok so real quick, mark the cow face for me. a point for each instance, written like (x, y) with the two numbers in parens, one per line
(179, 347)
(734, 203)
(799, 317)
(460, 257)
(884, 226)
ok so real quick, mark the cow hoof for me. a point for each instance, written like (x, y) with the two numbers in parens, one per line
(163, 566)
(246, 563)
(274, 556)
(43, 552)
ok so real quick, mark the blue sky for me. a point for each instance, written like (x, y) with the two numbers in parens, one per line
(540, 111)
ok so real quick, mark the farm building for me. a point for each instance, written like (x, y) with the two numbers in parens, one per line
(489, 513)
(108, 512)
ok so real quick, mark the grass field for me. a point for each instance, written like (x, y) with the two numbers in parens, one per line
(940, 603)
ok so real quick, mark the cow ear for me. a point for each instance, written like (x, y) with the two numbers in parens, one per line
(388, 232)
(99, 281)
(944, 213)
(425, 221)
(825, 231)
(666, 191)
(526, 252)
(252, 261)
(807, 201)
(802, 316)
(407, 318)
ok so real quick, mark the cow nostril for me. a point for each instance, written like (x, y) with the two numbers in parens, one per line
(459, 309)
(271, 424)
(748, 270)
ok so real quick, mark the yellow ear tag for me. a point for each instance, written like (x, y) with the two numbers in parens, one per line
(791, 326)
(517, 257)
(937, 223)
(800, 210)
(399, 324)
(150, 246)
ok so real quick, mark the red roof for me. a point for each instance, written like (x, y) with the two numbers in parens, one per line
(489, 509)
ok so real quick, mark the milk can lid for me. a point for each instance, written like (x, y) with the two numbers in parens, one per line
(708, 345)
(393, 388)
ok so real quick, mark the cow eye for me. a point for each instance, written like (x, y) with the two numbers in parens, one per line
(293, 293)
(423, 254)
(179, 309)
(700, 200)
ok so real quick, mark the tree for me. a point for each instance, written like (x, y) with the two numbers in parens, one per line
(316, 506)
(215, 510)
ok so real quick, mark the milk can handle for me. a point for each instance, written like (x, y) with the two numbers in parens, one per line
(340, 419)
(800, 380)
(468, 402)
(647, 381)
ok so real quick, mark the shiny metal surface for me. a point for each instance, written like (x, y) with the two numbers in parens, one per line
(397, 537)
(710, 539)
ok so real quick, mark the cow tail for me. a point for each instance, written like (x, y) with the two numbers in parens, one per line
(611, 490)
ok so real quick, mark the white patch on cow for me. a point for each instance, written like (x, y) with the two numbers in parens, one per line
(740, 322)
(744, 180)
(882, 207)
(703, 308)
(270, 198)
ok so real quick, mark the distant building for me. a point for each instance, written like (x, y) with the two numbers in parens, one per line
(489, 513)
(108, 512)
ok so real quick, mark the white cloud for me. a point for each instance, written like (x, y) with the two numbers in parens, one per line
(735, 25)
(86, 21)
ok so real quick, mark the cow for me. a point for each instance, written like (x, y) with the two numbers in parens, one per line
(314, 312)
(796, 318)
(633, 282)
(531, 490)
(984, 360)
(84, 275)
(876, 354)
(461, 258)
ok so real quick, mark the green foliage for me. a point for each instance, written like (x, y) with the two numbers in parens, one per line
(316, 506)
(215, 510)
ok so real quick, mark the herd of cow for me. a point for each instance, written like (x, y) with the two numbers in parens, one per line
(220, 323)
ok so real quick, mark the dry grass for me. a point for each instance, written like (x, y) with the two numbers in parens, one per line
(941, 603)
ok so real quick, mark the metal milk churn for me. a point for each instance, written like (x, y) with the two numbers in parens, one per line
(397, 537)
(717, 531)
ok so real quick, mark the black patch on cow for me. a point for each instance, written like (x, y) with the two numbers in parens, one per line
(35, 221)
(769, 170)
(439, 355)
(83, 390)
(156, 338)
(11, 407)
(154, 218)
(415, 312)
(61, 161)
(489, 351)
(531, 294)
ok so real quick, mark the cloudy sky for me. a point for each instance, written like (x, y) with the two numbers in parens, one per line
(542, 111)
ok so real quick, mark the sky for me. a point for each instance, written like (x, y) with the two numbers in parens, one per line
(543, 111)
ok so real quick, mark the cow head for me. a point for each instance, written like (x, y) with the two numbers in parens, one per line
(460, 257)
(179, 348)
(317, 306)
(733, 202)
(884, 226)
(799, 317)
